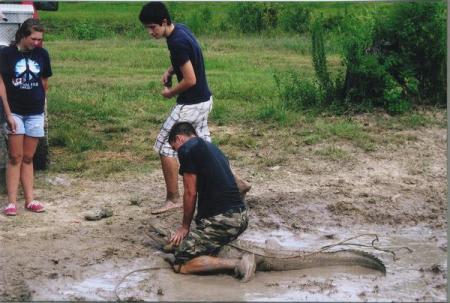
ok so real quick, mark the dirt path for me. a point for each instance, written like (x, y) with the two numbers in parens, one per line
(397, 192)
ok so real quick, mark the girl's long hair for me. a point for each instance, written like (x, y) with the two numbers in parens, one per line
(26, 28)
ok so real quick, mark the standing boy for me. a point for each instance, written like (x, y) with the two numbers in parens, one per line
(194, 99)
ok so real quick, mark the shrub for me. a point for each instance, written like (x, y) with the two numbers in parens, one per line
(247, 17)
(253, 17)
(85, 31)
(397, 60)
(272, 113)
(297, 92)
(333, 22)
(320, 63)
(295, 18)
(412, 42)
(199, 21)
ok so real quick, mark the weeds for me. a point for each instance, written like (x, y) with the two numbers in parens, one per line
(105, 97)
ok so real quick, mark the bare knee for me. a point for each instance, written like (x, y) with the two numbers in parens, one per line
(27, 159)
(15, 159)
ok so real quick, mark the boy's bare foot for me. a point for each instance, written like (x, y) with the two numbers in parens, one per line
(244, 188)
(169, 206)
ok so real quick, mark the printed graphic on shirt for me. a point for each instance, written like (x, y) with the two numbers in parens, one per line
(26, 74)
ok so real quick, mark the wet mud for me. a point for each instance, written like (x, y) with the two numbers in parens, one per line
(396, 194)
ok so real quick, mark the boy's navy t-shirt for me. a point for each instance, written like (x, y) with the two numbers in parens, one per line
(22, 73)
(216, 186)
(183, 47)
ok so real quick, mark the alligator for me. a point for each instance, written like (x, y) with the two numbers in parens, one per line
(274, 258)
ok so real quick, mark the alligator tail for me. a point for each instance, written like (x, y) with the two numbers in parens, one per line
(320, 259)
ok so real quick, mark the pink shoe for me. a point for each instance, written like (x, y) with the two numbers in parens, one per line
(35, 206)
(10, 209)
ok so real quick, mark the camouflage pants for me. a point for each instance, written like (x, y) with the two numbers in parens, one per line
(210, 235)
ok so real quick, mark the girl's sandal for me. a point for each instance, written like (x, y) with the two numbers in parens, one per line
(35, 206)
(10, 209)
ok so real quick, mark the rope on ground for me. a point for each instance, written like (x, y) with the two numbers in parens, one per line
(132, 272)
(394, 256)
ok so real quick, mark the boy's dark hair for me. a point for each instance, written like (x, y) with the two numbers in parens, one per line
(181, 128)
(154, 12)
(26, 29)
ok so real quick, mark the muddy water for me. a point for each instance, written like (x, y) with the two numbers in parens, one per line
(414, 276)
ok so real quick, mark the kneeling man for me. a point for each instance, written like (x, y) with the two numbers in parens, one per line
(221, 214)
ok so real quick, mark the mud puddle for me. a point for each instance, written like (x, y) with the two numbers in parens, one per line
(408, 278)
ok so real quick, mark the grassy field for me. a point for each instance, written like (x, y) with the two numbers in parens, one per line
(105, 107)
(92, 19)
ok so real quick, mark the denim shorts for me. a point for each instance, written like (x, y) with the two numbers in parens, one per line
(29, 125)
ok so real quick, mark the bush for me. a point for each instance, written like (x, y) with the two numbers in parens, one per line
(320, 63)
(85, 31)
(333, 22)
(297, 93)
(253, 17)
(272, 113)
(412, 44)
(199, 21)
(399, 60)
(295, 18)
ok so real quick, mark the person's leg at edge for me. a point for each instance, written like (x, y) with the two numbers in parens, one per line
(15, 147)
(27, 171)
(170, 171)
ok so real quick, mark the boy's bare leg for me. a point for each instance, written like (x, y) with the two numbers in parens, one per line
(205, 264)
(244, 267)
(170, 171)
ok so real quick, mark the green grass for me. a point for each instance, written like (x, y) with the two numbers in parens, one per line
(333, 153)
(90, 20)
(105, 107)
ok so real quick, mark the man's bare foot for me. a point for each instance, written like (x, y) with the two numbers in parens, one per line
(244, 187)
(169, 206)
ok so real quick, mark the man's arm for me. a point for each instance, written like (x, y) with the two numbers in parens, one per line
(187, 82)
(189, 200)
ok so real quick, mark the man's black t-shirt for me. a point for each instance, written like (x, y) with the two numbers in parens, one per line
(183, 47)
(22, 73)
(216, 186)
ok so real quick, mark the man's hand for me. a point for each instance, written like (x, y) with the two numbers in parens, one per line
(179, 235)
(166, 77)
(166, 93)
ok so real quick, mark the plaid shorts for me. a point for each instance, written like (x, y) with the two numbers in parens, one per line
(196, 114)
(210, 234)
